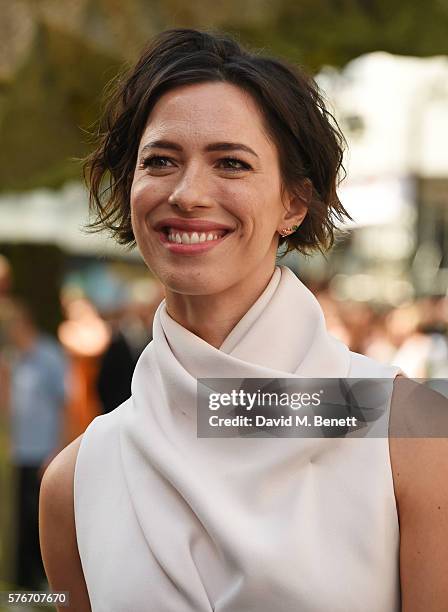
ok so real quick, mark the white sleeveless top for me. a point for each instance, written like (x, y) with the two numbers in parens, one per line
(168, 522)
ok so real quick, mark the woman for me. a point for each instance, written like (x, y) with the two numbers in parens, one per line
(214, 157)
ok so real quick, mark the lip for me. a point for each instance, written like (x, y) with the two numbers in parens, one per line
(190, 225)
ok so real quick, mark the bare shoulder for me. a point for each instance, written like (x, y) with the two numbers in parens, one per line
(418, 433)
(63, 465)
(57, 529)
(419, 458)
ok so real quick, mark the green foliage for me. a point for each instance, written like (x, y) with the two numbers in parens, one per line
(319, 32)
(55, 95)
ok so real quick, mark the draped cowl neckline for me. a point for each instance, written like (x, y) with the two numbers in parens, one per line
(283, 334)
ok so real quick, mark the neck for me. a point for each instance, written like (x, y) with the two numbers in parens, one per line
(212, 317)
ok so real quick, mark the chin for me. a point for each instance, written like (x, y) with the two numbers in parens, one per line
(191, 280)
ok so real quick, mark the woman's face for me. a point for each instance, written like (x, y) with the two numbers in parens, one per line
(206, 198)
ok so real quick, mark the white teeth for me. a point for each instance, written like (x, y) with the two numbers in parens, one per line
(192, 238)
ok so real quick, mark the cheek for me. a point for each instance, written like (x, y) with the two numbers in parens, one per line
(247, 201)
(263, 210)
(144, 197)
(140, 205)
(140, 194)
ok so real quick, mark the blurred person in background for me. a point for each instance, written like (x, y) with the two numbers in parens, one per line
(118, 361)
(84, 336)
(332, 311)
(378, 344)
(5, 308)
(423, 344)
(35, 402)
(358, 319)
(130, 323)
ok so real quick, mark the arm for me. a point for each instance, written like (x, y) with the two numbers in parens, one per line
(57, 530)
(420, 471)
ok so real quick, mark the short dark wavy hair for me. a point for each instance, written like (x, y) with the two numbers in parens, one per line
(309, 142)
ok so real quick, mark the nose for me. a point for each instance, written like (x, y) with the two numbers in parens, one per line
(191, 191)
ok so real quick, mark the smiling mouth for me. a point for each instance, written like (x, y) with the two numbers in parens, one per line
(182, 237)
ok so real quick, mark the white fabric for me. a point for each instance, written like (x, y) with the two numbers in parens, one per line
(167, 522)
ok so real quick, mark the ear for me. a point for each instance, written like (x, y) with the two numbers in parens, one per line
(296, 204)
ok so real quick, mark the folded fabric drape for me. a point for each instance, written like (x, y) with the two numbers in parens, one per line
(170, 522)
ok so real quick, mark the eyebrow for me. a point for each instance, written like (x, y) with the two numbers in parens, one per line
(214, 146)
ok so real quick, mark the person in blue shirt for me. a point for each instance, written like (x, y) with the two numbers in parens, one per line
(37, 390)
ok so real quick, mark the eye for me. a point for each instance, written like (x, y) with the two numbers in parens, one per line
(156, 162)
(235, 164)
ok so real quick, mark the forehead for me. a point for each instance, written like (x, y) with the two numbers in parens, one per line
(207, 111)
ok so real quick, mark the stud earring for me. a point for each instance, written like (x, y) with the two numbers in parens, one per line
(288, 230)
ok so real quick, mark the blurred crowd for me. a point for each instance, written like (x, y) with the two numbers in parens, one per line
(413, 336)
(52, 387)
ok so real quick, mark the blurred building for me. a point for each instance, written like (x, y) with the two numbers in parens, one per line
(393, 112)
(55, 216)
